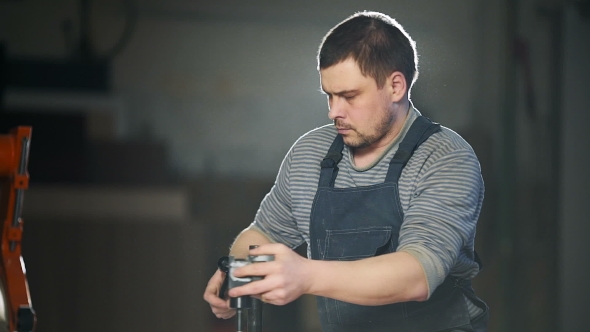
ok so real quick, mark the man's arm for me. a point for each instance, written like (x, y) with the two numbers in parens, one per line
(438, 224)
(385, 279)
(390, 278)
(435, 229)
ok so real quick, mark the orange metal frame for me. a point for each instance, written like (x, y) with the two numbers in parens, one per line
(14, 180)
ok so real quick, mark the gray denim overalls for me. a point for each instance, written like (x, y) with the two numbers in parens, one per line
(354, 223)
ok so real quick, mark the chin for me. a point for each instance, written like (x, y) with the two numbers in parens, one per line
(355, 144)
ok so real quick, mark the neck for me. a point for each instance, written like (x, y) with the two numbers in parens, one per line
(364, 157)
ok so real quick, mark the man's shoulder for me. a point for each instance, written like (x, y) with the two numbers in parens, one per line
(318, 139)
(308, 151)
(444, 152)
(442, 147)
(446, 140)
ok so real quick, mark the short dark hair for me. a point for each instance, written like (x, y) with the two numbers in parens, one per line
(378, 44)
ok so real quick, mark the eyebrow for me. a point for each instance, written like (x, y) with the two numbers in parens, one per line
(339, 93)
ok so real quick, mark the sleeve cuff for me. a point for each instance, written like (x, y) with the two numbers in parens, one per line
(433, 269)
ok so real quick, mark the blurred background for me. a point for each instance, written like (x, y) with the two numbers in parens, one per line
(158, 126)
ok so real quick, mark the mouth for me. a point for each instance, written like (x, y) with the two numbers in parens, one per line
(343, 130)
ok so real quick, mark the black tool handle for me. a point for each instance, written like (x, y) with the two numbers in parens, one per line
(223, 265)
(255, 316)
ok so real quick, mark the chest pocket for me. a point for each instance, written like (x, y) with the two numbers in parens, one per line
(358, 243)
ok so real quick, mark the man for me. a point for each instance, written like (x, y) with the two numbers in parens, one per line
(386, 200)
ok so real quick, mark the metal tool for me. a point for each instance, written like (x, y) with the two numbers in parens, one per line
(245, 305)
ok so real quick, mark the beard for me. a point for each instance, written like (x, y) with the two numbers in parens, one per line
(367, 137)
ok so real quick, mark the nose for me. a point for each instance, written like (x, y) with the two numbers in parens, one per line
(336, 107)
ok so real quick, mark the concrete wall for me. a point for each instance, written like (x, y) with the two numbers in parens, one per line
(575, 184)
(138, 264)
(235, 81)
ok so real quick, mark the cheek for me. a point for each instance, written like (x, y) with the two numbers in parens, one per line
(369, 112)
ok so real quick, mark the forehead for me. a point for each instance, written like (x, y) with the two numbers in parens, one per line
(345, 75)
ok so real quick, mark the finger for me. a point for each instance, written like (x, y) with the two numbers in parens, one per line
(270, 298)
(252, 288)
(269, 249)
(219, 281)
(260, 269)
(224, 314)
(217, 278)
(276, 297)
(211, 294)
(212, 289)
(215, 301)
(219, 306)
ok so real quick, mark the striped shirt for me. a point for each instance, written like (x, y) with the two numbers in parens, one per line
(441, 192)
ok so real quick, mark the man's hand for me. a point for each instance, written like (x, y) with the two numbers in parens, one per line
(220, 307)
(285, 279)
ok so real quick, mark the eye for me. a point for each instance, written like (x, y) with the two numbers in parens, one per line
(349, 98)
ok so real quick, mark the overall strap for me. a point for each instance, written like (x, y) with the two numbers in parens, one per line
(329, 163)
(419, 132)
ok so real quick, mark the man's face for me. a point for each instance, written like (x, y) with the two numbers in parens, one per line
(361, 111)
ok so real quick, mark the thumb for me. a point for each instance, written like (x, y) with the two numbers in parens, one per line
(268, 249)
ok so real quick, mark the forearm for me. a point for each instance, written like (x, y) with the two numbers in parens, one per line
(385, 279)
(247, 238)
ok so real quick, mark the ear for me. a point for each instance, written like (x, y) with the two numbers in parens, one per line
(397, 85)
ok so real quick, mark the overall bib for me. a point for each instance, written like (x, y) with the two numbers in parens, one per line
(355, 223)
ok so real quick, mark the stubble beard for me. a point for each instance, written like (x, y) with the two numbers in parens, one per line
(363, 140)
